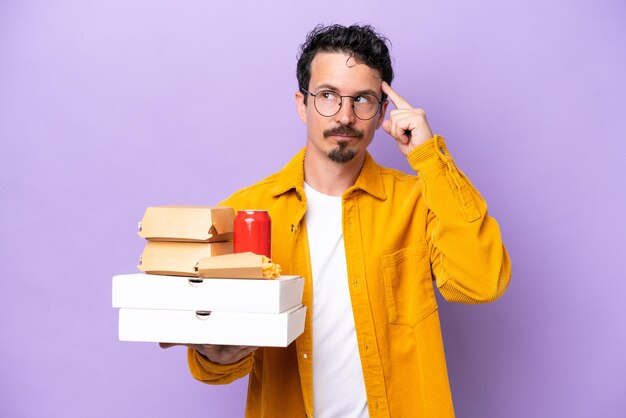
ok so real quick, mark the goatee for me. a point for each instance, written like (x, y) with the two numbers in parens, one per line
(342, 154)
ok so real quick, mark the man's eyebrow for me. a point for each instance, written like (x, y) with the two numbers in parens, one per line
(327, 86)
(368, 91)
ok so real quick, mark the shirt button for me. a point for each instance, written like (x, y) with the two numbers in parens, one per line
(305, 355)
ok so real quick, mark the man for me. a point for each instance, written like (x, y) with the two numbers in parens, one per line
(369, 242)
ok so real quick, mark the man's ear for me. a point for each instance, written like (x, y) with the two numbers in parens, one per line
(381, 116)
(300, 106)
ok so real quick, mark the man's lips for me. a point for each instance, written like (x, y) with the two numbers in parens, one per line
(343, 139)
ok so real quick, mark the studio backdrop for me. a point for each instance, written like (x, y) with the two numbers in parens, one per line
(108, 107)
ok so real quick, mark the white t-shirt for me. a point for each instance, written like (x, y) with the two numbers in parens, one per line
(338, 385)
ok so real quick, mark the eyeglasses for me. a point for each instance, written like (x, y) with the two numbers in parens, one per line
(328, 103)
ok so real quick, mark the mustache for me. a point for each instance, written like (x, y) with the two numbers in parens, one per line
(343, 130)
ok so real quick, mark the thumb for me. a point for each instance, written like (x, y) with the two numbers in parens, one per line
(168, 345)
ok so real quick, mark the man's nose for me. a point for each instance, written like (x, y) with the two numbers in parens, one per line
(346, 115)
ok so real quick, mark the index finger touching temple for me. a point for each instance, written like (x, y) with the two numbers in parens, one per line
(397, 100)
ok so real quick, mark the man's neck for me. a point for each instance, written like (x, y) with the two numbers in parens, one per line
(329, 177)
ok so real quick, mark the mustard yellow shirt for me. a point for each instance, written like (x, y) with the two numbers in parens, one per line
(402, 233)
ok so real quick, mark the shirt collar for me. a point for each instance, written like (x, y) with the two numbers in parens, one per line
(292, 177)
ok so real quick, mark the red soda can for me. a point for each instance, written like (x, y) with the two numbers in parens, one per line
(252, 231)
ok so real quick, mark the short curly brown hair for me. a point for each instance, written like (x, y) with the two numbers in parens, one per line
(360, 41)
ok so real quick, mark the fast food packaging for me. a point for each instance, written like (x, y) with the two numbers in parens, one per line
(187, 223)
(258, 312)
(179, 258)
(241, 266)
(150, 291)
(211, 327)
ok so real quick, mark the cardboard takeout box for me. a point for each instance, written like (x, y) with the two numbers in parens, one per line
(142, 291)
(179, 258)
(257, 312)
(241, 266)
(188, 223)
(203, 327)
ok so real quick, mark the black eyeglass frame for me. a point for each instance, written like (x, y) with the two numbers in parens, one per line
(380, 103)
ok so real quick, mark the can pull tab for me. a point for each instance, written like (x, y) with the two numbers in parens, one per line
(203, 315)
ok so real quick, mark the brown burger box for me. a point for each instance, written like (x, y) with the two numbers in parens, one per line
(179, 258)
(187, 223)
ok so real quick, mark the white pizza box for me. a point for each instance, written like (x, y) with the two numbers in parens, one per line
(151, 291)
(210, 327)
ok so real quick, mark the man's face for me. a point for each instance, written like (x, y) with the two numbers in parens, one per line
(343, 136)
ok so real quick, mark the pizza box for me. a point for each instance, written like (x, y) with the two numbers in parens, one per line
(211, 327)
(149, 291)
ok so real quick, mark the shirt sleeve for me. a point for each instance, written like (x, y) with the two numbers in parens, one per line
(469, 262)
(209, 372)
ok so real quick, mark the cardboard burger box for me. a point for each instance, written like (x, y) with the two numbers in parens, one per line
(258, 312)
(179, 258)
(187, 223)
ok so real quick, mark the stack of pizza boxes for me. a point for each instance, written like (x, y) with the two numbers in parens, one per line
(194, 290)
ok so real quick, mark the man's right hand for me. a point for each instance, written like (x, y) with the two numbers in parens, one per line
(222, 354)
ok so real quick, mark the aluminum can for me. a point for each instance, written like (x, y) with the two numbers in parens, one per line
(252, 231)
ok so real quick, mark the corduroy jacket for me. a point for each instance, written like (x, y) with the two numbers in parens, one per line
(402, 233)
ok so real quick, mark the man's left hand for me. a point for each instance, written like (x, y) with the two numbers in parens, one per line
(407, 125)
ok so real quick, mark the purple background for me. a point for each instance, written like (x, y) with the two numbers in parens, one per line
(107, 107)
